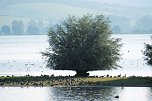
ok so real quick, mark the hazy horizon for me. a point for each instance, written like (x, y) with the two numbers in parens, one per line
(130, 16)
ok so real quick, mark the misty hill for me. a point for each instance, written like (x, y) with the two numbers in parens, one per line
(130, 17)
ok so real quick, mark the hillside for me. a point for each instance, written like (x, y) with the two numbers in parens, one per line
(124, 16)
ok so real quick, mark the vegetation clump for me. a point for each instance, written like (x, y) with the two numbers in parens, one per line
(148, 53)
(42, 81)
(82, 44)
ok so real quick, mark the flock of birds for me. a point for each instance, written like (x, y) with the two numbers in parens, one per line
(18, 66)
(14, 65)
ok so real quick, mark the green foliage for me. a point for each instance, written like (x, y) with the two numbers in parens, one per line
(82, 44)
(148, 54)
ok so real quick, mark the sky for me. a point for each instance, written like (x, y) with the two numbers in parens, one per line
(119, 7)
(135, 3)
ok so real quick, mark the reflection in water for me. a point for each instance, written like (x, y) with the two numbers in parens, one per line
(150, 94)
(100, 94)
(75, 93)
(84, 93)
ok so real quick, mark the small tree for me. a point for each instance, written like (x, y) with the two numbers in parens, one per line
(148, 53)
(6, 30)
(82, 44)
(17, 27)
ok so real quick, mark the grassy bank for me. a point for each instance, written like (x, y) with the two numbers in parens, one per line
(76, 81)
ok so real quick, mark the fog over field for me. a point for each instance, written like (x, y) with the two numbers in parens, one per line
(126, 16)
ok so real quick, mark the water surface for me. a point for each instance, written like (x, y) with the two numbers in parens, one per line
(21, 55)
(75, 93)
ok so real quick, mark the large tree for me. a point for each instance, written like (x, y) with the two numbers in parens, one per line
(82, 44)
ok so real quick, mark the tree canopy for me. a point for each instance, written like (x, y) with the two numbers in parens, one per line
(82, 44)
(148, 53)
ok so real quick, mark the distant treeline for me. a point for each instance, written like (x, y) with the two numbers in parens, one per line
(119, 25)
(19, 28)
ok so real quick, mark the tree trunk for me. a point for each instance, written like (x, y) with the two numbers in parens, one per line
(82, 74)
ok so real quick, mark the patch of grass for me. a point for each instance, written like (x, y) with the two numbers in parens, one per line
(75, 81)
(102, 79)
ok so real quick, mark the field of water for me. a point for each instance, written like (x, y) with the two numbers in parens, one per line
(75, 93)
(20, 55)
